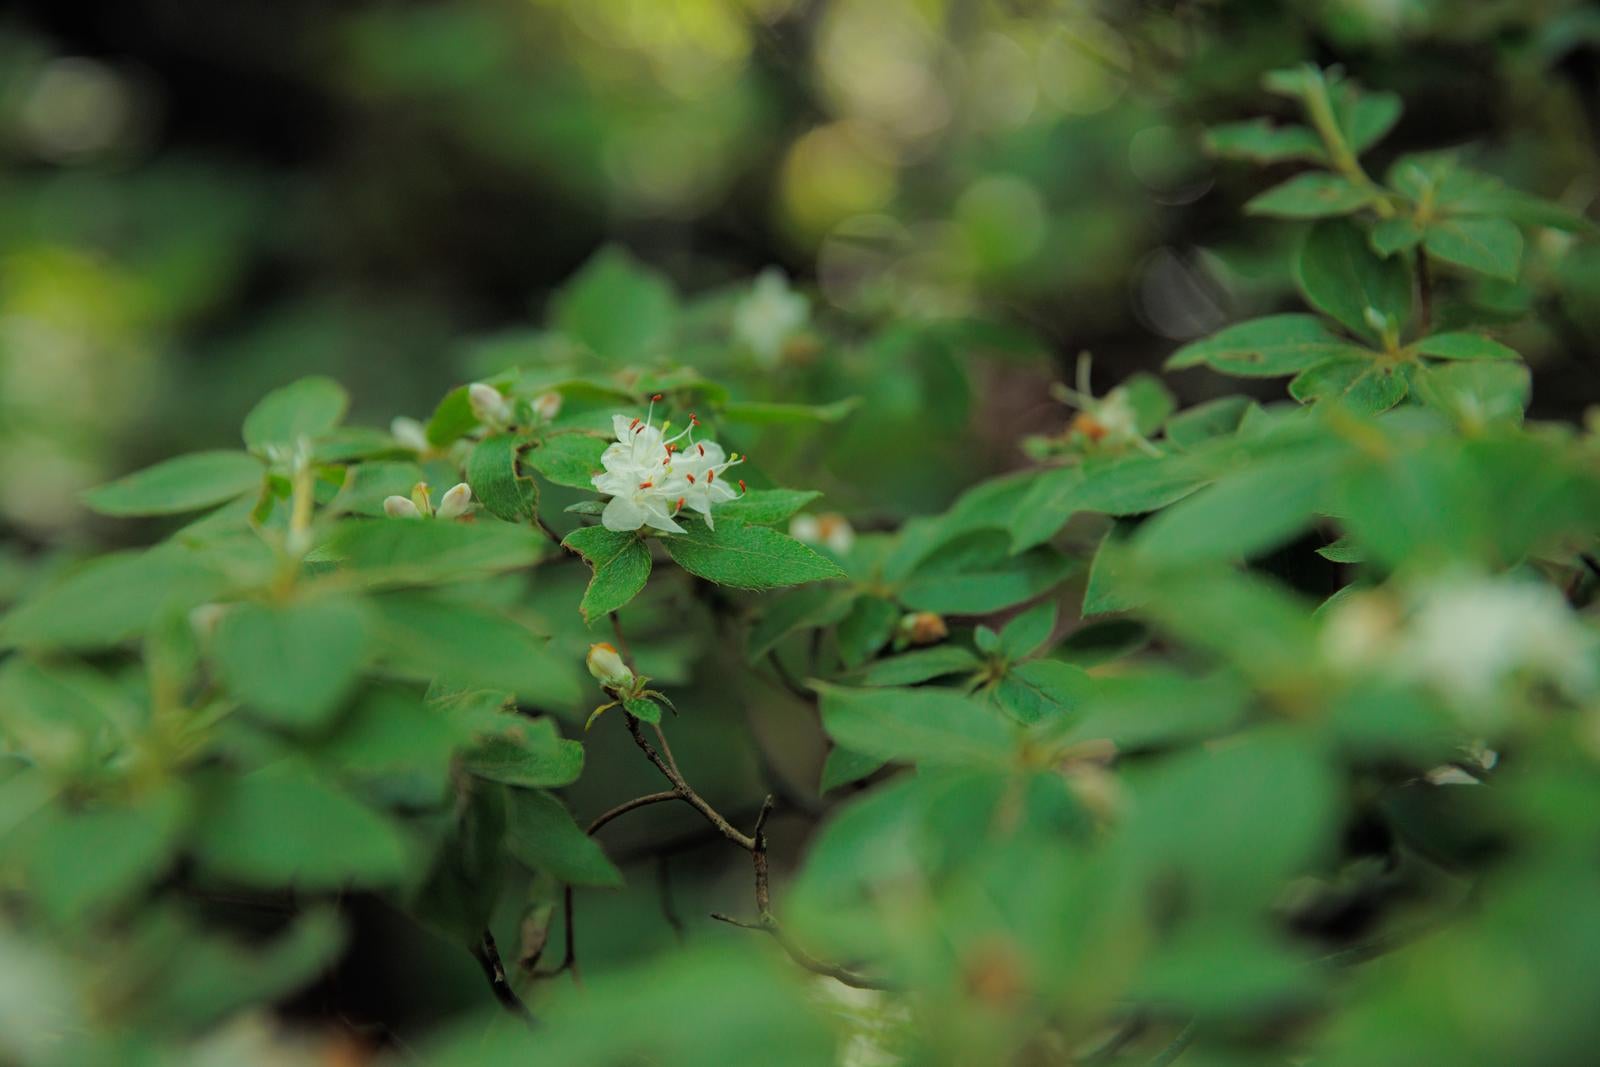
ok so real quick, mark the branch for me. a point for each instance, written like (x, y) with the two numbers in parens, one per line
(754, 843)
(488, 957)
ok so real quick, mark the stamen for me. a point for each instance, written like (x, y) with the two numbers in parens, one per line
(655, 397)
(690, 477)
(711, 475)
(633, 425)
(742, 488)
(702, 449)
(680, 504)
(646, 485)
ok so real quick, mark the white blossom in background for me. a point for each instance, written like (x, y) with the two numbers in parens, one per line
(768, 315)
(489, 405)
(410, 434)
(547, 405)
(829, 528)
(651, 478)
(1466, 638)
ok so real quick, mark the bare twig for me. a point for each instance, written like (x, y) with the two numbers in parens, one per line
(754, 843)
(629, 805)
(488, 957)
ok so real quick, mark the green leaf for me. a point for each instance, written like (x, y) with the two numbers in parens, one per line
(1259, 141)
(1149, 708)
(1463, 345)
(307, 408)
(1204, 422)
(1366, 387)
(844, 766)
(1477, 394)
(452, 419)
(492, 473)
(570, 459)
(542, 834)
(1313, 195)
(1342, 550)
(747, 557)
(442, 640)
(869, 626)
(936, 726)
(977, 574)
(621, 566)
(622, 310)
(1266, 348)
(921, 665)
(112, 599)
(762, 413)
(1489, 246)
(765, 507)
(528, 753)
(1103, 593)
(186, 483)
(211, 976)
(1041, 689)
(1340, 275)
(1030, 631)
(1398, 234)
(1242, 515)
(643, 709)
(1364, 117)
(293, 663)
(81, 862)
(809, 608)
(282, 826)
(408, 551)
(1129, 486)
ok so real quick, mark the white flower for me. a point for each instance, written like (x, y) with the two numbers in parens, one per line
(547, 405)
(651, 478)
(410, 433)
(401, 507)
(1467, 638)
(455, 502)
(769, 315)
(488, 405)
(829, 528)
(605, 663)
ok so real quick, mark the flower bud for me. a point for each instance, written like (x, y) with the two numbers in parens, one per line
(409, 433)
(923, 628)
(547, 405)
(488, 404)
(806, 528)
(455, 502)
(399, 507)
(607, 667)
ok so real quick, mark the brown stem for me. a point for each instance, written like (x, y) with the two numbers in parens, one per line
(488, 957)
(629, 805)
(754, 843)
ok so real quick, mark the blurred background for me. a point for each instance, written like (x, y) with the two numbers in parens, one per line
(932, 205)
(199, 202)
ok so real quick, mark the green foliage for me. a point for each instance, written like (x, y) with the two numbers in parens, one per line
(1215, 718)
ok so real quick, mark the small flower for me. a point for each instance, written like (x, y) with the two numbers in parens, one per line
(651, 478)
(1109, 421)
(489, 405)
(769, 315)
(455, 502)
(829, 528)
(400, 507)
(606, 665)
(923, 628)
(410, 434)
(547, 405)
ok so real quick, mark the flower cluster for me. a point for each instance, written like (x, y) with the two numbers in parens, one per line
(651, 477)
